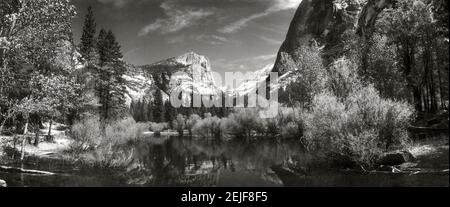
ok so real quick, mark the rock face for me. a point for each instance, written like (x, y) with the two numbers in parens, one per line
(188, 72)
(323, 23)
(369, 14)
(316, 22)
(139, 87)
(249, 84)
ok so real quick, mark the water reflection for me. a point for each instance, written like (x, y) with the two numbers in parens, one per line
(207, 163)
(188, 162)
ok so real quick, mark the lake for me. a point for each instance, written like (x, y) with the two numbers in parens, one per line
(196, 162)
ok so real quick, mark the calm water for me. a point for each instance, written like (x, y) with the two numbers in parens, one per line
(184, 162)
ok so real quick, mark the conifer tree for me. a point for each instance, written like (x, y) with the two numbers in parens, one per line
(88, 43)
(150, 112)
(169, 113)
(110, 86)
(158, 108)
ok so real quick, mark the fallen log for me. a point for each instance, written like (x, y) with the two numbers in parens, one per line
(21, 170)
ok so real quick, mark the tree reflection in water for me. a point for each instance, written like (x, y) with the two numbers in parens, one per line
(192, 162)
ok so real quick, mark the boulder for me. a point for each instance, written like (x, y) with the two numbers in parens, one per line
(396, 158)
(2, 183)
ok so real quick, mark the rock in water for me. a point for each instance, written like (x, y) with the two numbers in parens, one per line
(396, 158)
(2, 183)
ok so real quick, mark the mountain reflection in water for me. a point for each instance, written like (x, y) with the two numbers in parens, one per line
(207, 163)
(187, 162)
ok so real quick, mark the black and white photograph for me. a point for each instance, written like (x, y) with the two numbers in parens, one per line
(206, 94)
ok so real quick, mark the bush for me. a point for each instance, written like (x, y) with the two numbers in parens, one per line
(307, 80)
(123, 131)
(179, 124)
(209, 127)
(359, 128)
(157, 128)
(86, 134)
(109, 149)
(290, 123)
(292, 130)
(245, 123)
(191, 122)
(391, 119)
(343, 78)
(272, 127)
(113, 156)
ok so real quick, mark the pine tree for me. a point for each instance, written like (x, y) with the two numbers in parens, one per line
(169, 113)
(102, 47)
(158, 108)
(88, 43)
(150, 112)
(110, 85)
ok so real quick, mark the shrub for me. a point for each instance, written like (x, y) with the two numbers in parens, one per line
(245, 123)
(307, 80)
(359, 128)
(113, 156)
(179, 124)
(86, 134)
(272, 127)
(209, 127)
(343, 78)
(292, 130)
(157, 128)
(190, 123)
(122, 131)
(367, 110)
(290, 123)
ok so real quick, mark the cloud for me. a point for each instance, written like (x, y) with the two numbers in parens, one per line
(116, 3)
(271, 41)
(211, 39)
(254, 59)
(276, 6)
(265, 57)
(178, 18)
(203, 38)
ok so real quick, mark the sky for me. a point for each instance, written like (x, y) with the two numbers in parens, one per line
(235, 35)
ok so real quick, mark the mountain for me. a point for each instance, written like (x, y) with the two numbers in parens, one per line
(250, 82)
(324, 23)
(187, 72)
(320, 22)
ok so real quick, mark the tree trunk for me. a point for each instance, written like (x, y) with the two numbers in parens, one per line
(441, 91)
(36, 139)
(50, 128)
(417, 99)
(22, 151)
